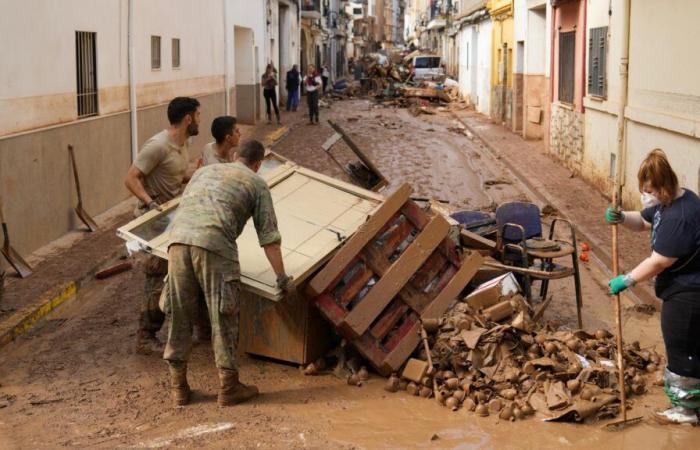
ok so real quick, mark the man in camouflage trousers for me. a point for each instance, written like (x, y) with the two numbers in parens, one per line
(155, 177)
(203, 262)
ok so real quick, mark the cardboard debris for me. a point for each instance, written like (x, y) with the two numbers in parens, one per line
(488, 293)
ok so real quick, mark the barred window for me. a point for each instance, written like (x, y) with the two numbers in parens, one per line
(567, 61)
(155, 52)
(86, 73)
(597, 61)
(176, 53)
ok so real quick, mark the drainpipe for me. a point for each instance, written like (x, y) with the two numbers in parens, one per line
(620, 151)
(133, 107)
(227, 69)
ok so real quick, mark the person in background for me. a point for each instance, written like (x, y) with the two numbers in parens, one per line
(312, 84)
(292, 86)
(226, 136)
(269, 82)
(155, 177)
(673, 216)
(325, 75)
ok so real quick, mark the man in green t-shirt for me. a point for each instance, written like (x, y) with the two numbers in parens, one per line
(226, 136)
(203, 258)
(155, 177)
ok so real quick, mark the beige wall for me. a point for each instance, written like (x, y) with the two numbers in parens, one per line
(664, 94)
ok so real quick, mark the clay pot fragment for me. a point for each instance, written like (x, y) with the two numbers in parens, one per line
(412, 388)
(651, 367)
(392, 384)
(550, 348)
(518, 413)
(573, 344)
(602, 334)
(658, 378)
(354, 380)
(459, 395)
(403, 384)
(527, 409)
(573, 385)
(452, 403)
(469, 404)
(508, 394)
(495, 405)
(540, 339)
(481, 410)
(506, 413)
(448, 374)
(427, 381)
(362, 374)
(425, 392)
(452, 383)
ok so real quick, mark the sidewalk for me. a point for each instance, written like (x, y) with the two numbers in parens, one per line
(553, 184)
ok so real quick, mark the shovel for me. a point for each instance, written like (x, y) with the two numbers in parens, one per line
(16, 261)
(82, 214)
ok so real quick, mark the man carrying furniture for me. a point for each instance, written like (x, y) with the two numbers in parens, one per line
(155, 177)
(203, 263)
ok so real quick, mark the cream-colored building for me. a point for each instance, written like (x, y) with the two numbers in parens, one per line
(67, 78)
(663, 107)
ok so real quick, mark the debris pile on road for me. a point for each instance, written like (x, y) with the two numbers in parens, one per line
(493, 359)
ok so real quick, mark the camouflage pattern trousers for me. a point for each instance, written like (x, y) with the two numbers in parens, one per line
(195, 273)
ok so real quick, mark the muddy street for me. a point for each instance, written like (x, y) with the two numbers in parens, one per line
(74, 381)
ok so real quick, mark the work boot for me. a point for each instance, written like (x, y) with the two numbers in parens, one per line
(148, 344)
(232, 391)
(179, 389)
(677, 415)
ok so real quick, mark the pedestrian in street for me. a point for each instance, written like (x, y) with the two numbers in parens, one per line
(292, 86)
(203, 263)
(156, 176)
(269, 82)
(226, 136)
(312, 84)
(672, 214)
(325, 76)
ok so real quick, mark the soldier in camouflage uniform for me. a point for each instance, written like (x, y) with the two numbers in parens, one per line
(203, 262)
(155, 177)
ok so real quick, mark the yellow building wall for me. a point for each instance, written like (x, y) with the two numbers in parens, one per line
(502, 15)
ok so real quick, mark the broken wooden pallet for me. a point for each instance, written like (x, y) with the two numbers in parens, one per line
(398, 268)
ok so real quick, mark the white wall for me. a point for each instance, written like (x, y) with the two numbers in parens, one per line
(535, 45)
(483, 87)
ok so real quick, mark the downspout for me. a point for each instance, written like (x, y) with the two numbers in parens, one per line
(227, 69)
(133, 107)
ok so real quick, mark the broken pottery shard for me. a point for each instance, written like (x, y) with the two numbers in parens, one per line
(471, 337)
(582, 409)
(499, 311)
(557, 396)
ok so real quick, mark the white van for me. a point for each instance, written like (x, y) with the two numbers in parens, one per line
(427, 67)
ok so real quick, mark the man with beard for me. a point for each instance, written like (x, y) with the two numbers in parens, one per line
(155, 177)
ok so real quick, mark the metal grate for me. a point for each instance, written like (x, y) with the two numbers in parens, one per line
(597, 56)
(567, 61)
(176, 52)
(155, 52)
(86, 73)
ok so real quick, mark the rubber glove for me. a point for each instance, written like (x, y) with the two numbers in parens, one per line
(284, 282)
(620, 283)
(614, 217)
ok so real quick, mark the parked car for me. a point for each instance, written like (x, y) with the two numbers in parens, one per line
(427, 67)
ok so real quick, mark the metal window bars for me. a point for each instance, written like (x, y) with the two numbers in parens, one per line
(86, 73)
(155, 52)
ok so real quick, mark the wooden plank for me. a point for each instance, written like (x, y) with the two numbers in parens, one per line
(420, 218)
(402, 351)
(397, 236)
(354, 285)
(397, 276)
(469, 267)
(352, 246)
(400, 333)
(429, 270)
(444, 278)
(386, 322)
(342, 185)
(330, 142)
(473, 240)
(414, 297)
(360, 154)
(330, 309)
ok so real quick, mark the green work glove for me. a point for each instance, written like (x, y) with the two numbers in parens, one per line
(620, 283)
(284, 282)
(614, 217)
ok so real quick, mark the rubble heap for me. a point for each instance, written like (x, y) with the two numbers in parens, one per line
(514, 368)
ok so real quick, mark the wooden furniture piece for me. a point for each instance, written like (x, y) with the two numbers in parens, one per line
(398, 269)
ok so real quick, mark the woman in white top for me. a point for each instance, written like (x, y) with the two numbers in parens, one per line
(325, 75)
(312, 84)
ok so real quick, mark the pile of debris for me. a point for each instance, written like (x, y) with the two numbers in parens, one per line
(489, 356)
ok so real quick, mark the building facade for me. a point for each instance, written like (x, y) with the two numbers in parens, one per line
(502, 43)
(474, 50)
(75, 83)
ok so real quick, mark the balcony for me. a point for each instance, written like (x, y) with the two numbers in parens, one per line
(311, 9)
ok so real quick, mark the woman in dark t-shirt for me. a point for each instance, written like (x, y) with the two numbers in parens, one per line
(673, 215)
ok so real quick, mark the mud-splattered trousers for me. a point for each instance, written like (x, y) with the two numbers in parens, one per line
(195, 273)
(151, 318)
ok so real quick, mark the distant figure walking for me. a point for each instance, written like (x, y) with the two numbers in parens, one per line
(312, 83)
(269, 82)
(293, 81)
(325, 75)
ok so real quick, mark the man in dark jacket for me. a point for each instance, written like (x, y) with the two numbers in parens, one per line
(293, 80)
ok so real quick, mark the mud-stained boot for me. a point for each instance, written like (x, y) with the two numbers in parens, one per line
(232, 391)
(148, 344)
(179, 389)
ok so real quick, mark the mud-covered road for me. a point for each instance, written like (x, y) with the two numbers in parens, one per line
(74, 381)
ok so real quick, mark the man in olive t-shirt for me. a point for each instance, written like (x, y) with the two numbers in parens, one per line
(155, 177)
(226, 136)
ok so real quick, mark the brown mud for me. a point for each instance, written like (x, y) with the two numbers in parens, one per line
(74, 381)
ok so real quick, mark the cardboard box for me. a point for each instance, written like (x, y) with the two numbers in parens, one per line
(489, 293)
